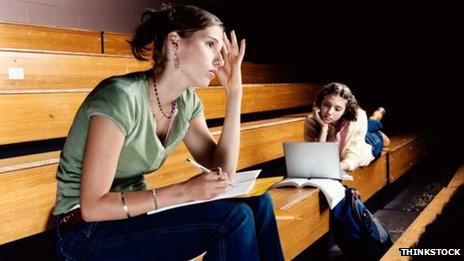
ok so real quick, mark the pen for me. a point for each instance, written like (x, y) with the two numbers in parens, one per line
(200, 167)
(196, 164)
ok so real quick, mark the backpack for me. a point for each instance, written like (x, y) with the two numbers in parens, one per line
(356, 231)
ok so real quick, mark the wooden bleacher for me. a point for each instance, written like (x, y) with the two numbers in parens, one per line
(411, 236)
(33, 37)
(56, 80)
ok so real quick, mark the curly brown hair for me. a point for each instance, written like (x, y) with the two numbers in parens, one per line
(343, 91)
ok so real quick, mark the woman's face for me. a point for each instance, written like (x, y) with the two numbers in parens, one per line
(332, 108)
(200, 55)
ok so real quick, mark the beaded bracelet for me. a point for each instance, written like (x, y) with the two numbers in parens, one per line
(124, 204)
(153, 191)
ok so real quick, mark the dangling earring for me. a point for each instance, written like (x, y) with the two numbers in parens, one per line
(176, 60)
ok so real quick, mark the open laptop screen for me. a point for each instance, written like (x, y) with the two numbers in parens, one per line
(312, 160)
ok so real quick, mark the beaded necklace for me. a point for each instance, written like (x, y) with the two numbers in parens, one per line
(174, 104)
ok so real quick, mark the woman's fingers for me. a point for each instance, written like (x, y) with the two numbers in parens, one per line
(242, 50)
(227, 44)
(232, 47)
(233, 37)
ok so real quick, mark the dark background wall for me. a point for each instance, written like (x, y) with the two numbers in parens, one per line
(403, 55)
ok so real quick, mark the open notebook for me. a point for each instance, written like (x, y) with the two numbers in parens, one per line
(333, 190)
(242, 184)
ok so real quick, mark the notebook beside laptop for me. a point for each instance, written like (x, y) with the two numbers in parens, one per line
(313, 160)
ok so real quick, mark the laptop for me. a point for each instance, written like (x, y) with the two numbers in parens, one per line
(313, 160)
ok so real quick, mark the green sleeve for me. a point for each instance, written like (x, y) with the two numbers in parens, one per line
(113, 102)
(198, 108)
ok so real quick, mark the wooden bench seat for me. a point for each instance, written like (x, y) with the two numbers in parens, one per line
(34, 37)
(62, 70)
(116, 43)
(310, 221)
(30, 191)
(370, 179)
(27, 117)
(405, 152)
(310, 210)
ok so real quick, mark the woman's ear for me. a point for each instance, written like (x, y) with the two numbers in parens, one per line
(172, 40)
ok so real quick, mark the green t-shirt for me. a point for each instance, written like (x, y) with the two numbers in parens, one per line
(124, 100)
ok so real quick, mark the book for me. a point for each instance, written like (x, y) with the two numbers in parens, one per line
(261, 186)
(242, 183)
(333, 190)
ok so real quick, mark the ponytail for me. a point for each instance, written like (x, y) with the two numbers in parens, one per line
(149, 34)
(157, 24)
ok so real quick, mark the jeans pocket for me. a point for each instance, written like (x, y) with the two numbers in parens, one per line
(77, 244)
(88, 229)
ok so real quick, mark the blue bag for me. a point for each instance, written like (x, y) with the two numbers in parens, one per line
(356, 231)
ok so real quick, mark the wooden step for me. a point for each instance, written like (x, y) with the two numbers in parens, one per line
(405, 152)
(310, 218)
(66, 70)
(370, 179)
(60, 70)
(29, 192)
(43, 114)
(33, 37)
(116, 43)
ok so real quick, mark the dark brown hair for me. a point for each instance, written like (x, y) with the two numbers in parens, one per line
(157, 24)
(343, 91)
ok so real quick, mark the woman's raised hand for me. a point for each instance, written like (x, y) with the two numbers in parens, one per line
(230, 75)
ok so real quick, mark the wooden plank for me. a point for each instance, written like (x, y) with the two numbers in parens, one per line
(403, 158)
(48, 115)
(28, 195)
(311, 222)
(411, 236)
(458, 178)
(53, 70)
(28, 161)
(261, 97)
(37, 116)
(257, 145)
(370, 179)
(114, 43)
(27, 200)
(26, 36)
(401, 140)
(62, 70)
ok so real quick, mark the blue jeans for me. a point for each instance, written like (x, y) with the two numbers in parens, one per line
(233, 229)
(374, 138)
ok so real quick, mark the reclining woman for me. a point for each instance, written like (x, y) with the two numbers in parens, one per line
(126, 128)
(337, 117)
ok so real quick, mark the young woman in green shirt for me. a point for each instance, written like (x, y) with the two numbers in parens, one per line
(126, 128)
